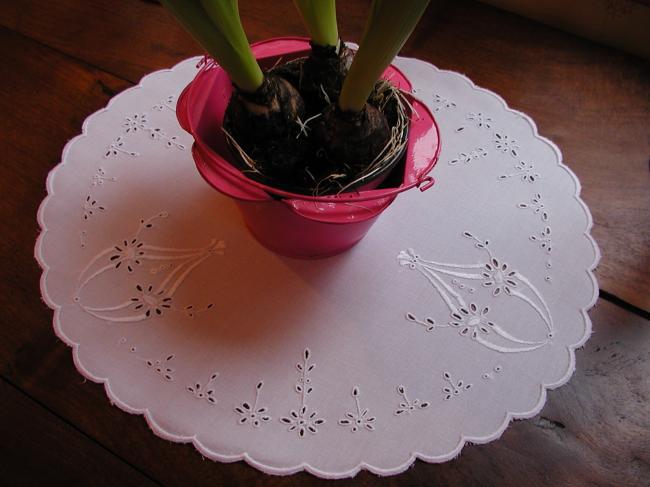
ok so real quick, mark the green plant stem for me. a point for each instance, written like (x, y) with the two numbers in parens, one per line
(224, 39)
(389, 25)
(319, 16)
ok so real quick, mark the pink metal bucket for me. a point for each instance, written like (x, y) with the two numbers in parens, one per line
(293, 224)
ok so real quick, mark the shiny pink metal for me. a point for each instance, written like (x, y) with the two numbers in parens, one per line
(287, 223)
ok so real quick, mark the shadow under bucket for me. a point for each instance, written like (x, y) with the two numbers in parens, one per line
(292, 224)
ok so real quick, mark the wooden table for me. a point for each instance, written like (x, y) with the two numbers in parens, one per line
(63, 60)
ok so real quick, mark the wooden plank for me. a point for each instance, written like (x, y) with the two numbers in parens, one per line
(37, 448)
(591, 100)
(592, 431)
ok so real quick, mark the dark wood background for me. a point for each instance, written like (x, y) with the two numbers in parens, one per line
(63, 60)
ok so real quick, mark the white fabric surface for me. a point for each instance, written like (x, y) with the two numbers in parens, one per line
(166, 299)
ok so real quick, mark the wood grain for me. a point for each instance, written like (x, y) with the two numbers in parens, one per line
(37, 448)
(591, 100)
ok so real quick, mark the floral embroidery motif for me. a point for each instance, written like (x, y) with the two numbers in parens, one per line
(140, 122)
(467, 157)
(303, 420)
(162, 368)
(117, 147)
(100, 177)
(407, 406)
(252, 414)
(454, 388)
(471, 322)
(480, 120)
(150, 300)
(498, 276)
(544, 239)
(442, 102)
(536, 206)
(506, 144)
(206, 391)
(358, 418)
(90, 207)
(128, 253)
(168, 103)
(524, 170)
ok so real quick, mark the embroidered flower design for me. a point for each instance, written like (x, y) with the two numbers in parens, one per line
(358, 419)
(90, 206)
(129, 253)
(471, 321)
(407, 406)
(454, 388)
(505, 143)
(498, 276)
(166, 103)
(204, 392)
(135, 122)
(303, 421)
(161, 367)
(151, 301)
(480, 120)
(117, 146)
(467, 157)
(252, 414)
(442, 102)
(544, 239)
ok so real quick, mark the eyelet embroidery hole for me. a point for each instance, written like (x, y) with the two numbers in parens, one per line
(455, 388)
(253, 415)
(303, 420)
(406, 406)
(359, 418)
(204, 391)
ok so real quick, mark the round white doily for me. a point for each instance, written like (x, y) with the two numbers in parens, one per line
(455, 314)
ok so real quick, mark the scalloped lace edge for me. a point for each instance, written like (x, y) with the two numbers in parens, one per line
(275, 470)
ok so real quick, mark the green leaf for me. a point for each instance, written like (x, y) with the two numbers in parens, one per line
(389, 25)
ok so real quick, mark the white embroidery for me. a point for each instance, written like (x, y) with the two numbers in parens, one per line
(117, 147)
(488, 375)
(91, 207)
(537, 206)
(407, 406)
(467, 157)
(441, 102)
(544, 239)
(468, 318)
(303, 420)
(204, 391)
(358, 418)
(454, 388)
(149, 299)
(100, 177)
(168, 103)
(252, 414)
(524, 170)
(506, 144)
